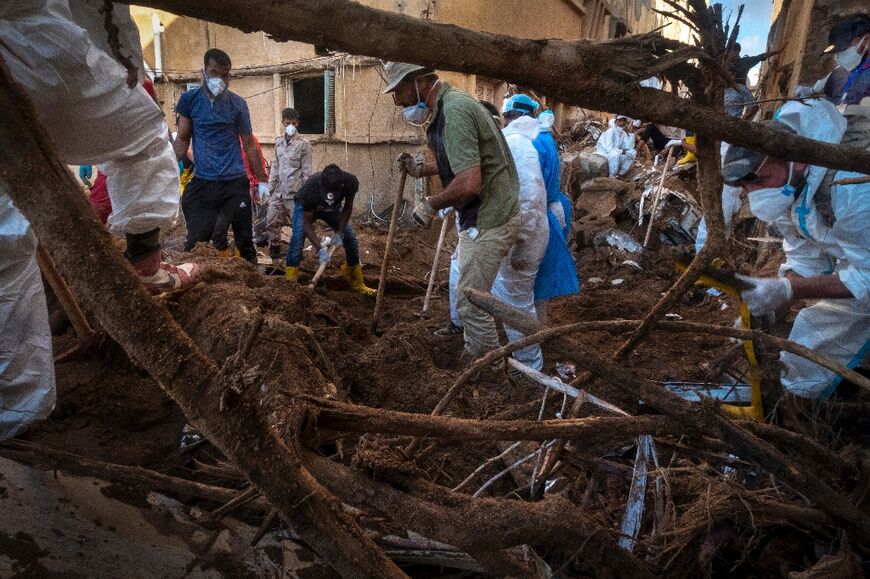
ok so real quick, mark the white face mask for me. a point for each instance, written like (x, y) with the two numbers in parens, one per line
(771, 204)
(215, 85)
(852, 56)
(418, 114)
(290, 130)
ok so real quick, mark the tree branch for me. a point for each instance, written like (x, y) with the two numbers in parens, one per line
(354, 418)
(578, 73)
(43, 189)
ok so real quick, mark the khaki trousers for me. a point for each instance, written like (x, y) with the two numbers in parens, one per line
(479, 260)
(279, 214)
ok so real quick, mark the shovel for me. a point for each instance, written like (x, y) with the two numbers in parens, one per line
(321, 268)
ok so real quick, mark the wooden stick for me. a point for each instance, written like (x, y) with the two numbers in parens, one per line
(448, 219)
(351, 417)
(394, 218)
(64, 295)
(321, 268)
(32, 453)
(244, 497)
(657, 198)
(852, 180)
(264, 527)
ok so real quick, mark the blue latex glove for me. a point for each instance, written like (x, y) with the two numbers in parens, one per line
(324, 255)
(86, 172)
(336, 241)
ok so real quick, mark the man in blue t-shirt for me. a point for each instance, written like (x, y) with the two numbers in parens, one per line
(216, 118)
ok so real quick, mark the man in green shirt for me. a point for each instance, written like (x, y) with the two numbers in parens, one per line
(479, 179)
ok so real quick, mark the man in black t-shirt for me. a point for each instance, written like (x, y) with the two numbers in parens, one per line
(327, 196)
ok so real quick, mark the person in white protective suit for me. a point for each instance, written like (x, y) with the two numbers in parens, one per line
(826, 242)
(739, 102)
(617, 146)
(515, 282)
(82, 97)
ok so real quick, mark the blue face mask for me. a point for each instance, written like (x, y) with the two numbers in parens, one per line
(416, 114)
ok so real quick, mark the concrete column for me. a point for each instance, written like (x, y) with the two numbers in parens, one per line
(277, 103)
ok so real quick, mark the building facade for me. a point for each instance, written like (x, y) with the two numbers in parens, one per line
(799, 31)
(344, 114)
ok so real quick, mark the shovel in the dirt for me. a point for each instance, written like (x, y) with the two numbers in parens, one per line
(728, 282)
(712, 276)
(321, 268)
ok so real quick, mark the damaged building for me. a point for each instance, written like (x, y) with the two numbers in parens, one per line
(343, 113)
(691, 409)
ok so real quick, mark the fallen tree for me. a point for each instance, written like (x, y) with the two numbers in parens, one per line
(43, 189)
(596, 75)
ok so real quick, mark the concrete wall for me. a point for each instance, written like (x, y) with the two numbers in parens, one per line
(556, 19)
(369, 132)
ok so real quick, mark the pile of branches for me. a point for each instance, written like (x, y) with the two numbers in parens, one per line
(273, 444)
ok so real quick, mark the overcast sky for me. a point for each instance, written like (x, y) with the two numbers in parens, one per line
(754, 25)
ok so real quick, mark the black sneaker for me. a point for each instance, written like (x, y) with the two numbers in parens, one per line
(448, 331)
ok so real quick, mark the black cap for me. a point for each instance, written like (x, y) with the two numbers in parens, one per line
(847, 29)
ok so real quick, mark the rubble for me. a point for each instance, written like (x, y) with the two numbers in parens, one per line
(378, 449)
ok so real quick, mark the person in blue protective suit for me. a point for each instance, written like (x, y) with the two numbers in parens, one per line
(557, 275)
(826, 242)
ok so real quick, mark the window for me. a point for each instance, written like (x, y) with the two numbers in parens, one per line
(314, 98)
(486, 90)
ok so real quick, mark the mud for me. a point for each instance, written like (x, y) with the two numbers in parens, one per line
(110, 410)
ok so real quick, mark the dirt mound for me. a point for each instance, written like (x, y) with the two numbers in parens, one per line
(319, 343)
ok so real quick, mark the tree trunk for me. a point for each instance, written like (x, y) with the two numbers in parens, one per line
(43, 189)
(596, 75)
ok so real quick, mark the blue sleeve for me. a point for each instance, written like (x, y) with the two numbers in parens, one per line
(243, 119)
(184, 104)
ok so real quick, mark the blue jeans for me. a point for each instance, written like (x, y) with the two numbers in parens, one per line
(332, 219)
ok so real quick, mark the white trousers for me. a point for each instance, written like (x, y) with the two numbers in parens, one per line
(82, 100)
(619, 162)
(837, 328)
(515, 285)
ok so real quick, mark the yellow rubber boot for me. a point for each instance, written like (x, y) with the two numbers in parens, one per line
(226, 252)
(291, 273)
(689, 157)
(354, 278)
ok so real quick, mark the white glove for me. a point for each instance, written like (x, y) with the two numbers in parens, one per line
(263, 190)
(323, 255)
(766, 295)
(336, 241)
(674, 143)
